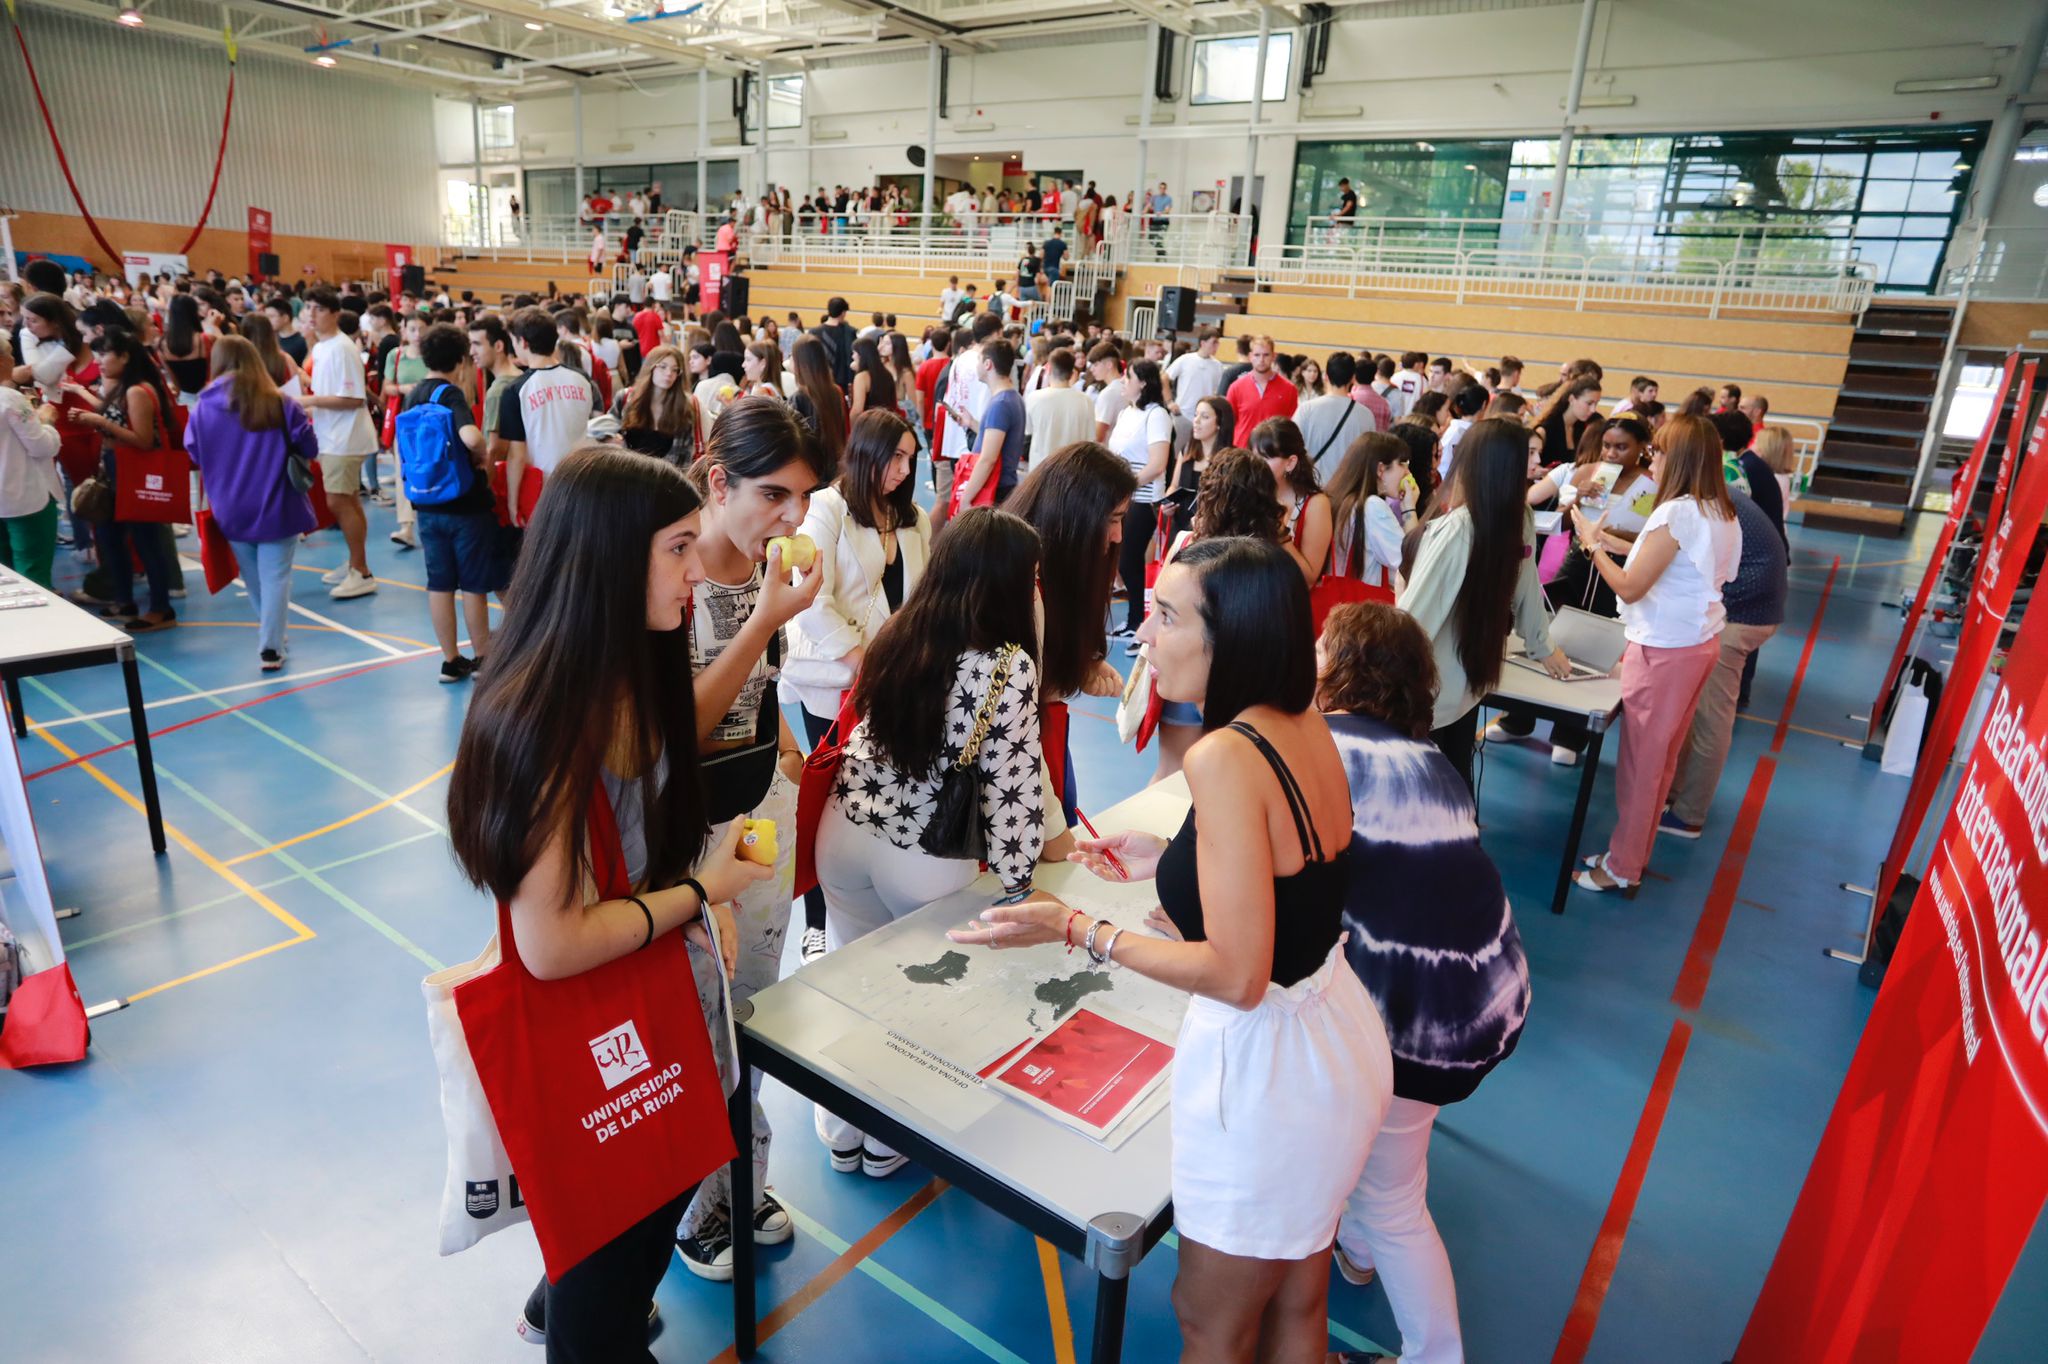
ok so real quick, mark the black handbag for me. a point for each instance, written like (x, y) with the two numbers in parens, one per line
(955, 829)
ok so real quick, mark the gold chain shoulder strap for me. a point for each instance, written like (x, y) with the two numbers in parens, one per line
(986, 716)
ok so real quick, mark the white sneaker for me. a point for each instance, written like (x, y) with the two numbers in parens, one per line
(334, 575)
(404, 538)
(1352, 1271)
(354, 584)
(1562, 756)
(874, 1164)
(813, 945)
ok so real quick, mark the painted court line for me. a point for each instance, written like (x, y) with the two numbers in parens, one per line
(1687, 993)
(186, 698)
(310, 614)
(1056, 1302)
(347, 820)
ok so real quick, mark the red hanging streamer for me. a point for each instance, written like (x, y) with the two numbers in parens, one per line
(64, 162)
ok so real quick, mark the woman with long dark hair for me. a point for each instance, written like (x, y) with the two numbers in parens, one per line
(1277, 440)
(186, 348)
(1076, 500)
(260, 332)
(1210, 429)
(950, 679)
(762, 369)
(239, 438)
(579, 704)
(1369, 510)
(1143, 438)
(1564, 415)
(1282, 1072)
(1670, 590)
(873, 540)
(873, 384)
(758, 469)
(908, 401)
(658, 415)
(1475, 580)
(818, 401)
(136, 406)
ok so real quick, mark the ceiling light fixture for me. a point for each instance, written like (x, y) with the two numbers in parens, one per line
(130, 16)
(535, 28)
(323, 60)
(1933, 87)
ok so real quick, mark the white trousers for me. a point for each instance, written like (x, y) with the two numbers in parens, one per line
(869, 882)
(1386, 1225)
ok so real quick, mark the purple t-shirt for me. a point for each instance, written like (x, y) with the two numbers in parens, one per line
(244, 470)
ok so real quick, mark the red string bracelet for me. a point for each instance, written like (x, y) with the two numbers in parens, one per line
(1067, 929)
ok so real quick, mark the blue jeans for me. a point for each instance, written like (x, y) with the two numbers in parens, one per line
(267, 573)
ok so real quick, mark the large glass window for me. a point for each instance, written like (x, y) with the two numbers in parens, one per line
(785, 103)
(498, 134)
(1226, 67)
(1688, 202)
(552, 191)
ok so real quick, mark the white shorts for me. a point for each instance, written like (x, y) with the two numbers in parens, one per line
(1274, 1112)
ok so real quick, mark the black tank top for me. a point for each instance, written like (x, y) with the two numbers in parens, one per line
(188, 375)
(1307, 906)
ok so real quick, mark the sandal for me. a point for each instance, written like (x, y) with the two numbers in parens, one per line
(1597, 868)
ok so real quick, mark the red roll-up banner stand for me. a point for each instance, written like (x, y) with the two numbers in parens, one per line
(259, 240)
(1933, 1167)
(1959, 505)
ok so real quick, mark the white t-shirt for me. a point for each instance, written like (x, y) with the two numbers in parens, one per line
(1683, 607)
(337, 372)
(1055, 418)
(948, 298)
(551, 413)
(1110, 403)
(965, 392)
(1195, 376)
(661, 286)
(1138, 429)
(719, 611)
(1447, 447)
(714, 392)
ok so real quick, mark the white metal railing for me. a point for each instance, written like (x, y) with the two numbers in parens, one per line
(2004, 263)
(1642, 239)
(989, 244)
(1490, 273)
(564, 237)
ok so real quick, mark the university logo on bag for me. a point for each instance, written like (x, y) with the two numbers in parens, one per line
(619, 1055)
(153, 482)
(482, 1197)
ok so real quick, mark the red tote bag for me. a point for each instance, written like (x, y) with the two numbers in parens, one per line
(156, 485)
(603, 1085)
(216, 555)
(529, 492)
(814, 789)
(323, 515)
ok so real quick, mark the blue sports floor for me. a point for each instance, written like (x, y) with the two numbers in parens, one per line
(248, 1165)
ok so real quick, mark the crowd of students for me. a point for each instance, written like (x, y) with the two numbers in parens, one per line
(1320, 562)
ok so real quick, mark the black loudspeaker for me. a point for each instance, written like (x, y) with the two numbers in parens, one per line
(732, 295)
(413, 280)
(266, 265)
(1176, 309)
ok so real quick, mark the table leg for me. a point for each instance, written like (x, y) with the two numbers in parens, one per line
(1107, 1345)
(1589, 766)
(145, 759)
(16, 709)
(740, 1111)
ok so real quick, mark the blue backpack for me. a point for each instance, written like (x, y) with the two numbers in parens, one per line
(431, 456)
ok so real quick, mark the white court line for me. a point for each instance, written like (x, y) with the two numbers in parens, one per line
(280, 680)
(310, 614)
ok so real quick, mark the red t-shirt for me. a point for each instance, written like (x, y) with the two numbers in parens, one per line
(1253, 407)
(927, 388)
(647, 326)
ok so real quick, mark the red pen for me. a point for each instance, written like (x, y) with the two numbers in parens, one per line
(1089, 825)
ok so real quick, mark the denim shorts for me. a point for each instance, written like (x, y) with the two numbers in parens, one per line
(461, 550)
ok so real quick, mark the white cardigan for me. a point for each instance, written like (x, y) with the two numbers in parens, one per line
(851, 605)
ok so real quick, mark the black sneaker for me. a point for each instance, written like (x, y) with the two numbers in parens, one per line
(458, 668)
(271, 659)
(772, 1223)
(1124, 632)
(708, 1253)
(814, 945)
(532, 1325)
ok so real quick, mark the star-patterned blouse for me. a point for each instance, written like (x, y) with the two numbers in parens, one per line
(897, 806)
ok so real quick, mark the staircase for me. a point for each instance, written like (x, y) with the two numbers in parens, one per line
(1863, 479)
(1225, 298)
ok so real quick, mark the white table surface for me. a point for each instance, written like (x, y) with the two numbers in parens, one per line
(1597, 699)
(52, 630)
(1046, 1162)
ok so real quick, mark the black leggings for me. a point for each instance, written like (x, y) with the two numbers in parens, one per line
(814, 898)
(1454, 740)
(1139, 526)
(597, 1311)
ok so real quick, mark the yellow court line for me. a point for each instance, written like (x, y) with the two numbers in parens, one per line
(1056, 1302)
(1800, 729)
(345, 820)
(205, 859)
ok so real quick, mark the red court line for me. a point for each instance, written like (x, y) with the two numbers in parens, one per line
(1687, 993)
(216, 714)
(1599, 1272)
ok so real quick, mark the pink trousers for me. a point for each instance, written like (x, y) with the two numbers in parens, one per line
(1659, 689)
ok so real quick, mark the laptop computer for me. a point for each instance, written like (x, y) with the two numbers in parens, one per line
(1594, 644)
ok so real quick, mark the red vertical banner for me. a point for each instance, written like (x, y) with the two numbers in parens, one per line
(1966, 488)
(2003, 484)
(396, 258)
(1998, 578)
(1933, 1167)
(259, 241)
(711, 271)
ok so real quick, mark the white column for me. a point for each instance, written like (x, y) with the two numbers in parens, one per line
(576, 100)
(1145, 91)
(1251, 136)
(478, 193)
(703, 143)
(1555, 216)
(931, 145)
(1996, 159)
(761, 103)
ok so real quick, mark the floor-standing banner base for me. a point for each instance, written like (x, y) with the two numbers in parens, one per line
(45, 1019)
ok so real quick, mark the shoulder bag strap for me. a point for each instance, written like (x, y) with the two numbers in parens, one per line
(1330, 439)
(986, 715)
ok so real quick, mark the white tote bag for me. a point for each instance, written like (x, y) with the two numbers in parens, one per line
(480, 1195)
